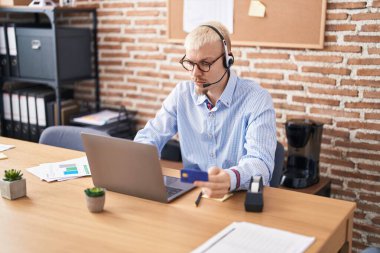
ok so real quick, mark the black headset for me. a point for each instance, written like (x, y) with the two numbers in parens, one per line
(228, 58)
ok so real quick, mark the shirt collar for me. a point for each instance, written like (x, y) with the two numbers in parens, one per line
(199, 99)
(226, 97)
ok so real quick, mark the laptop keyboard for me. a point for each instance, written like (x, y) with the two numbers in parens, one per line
(172, 191)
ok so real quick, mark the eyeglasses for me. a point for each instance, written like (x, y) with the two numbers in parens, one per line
(203, 66)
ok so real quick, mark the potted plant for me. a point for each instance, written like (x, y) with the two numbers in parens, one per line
(13, 186)
(95, 198)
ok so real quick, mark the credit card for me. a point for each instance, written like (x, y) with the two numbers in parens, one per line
(191, 175)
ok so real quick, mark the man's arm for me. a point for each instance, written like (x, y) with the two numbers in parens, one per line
(260, 145)
(159, 130)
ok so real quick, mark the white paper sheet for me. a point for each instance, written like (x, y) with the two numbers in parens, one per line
(241, 237)
(4, 147)
(197, 12)
(61, 171)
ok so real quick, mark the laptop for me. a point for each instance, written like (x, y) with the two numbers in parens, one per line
(131, 168)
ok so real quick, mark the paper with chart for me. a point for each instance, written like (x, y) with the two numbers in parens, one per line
(197, 12)
(241, 237)
(64, 170)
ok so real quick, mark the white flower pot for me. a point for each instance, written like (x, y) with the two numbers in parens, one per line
(95, 204)
(13, 189)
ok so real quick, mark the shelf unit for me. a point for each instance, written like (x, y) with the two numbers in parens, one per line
(55, 83)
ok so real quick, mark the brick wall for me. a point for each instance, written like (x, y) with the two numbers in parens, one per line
(339, 86)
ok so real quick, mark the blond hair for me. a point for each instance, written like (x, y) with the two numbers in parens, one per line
(203, 35)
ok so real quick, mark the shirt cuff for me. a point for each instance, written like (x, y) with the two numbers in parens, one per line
(234, 178)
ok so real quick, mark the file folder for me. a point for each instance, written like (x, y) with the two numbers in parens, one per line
(33, 127)
(16, 120)
(7, 127)
(3, 53)
(37, 100)
(24, 112)
(12, 45)
(11, 109)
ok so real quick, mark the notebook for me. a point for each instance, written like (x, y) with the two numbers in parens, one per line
(131, 168)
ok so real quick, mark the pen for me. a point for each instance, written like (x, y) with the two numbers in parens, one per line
(198, 199)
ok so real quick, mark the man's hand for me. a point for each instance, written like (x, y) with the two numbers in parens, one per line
(218, 183)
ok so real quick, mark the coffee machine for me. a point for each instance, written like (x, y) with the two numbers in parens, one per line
(304, 145)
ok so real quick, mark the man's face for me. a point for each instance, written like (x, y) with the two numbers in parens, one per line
(208, 53)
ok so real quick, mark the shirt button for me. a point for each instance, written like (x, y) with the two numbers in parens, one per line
(210, 135)
(212, 154)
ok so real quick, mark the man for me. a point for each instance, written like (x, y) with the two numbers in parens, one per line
(226, 125)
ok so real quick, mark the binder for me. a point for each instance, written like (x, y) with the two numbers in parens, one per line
(37, 99)
(50, 113)
(12, 45)
(7, 127)
(24, 112)
(41, 99)
(16, 120)
(11, 108)
(32, 117)
(3, 52)
(39, 113)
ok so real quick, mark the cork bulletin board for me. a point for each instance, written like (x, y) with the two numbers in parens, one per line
(286, 24)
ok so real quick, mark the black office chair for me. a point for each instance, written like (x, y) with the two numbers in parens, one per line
(66, 136)
(172, 151)
(371, 250)
(278, 166)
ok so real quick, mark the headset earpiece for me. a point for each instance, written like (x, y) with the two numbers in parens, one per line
(228, 57)
(230, 60)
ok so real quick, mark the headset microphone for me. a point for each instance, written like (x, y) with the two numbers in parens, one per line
(209, 84)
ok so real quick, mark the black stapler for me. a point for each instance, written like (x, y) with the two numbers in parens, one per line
(254, 200)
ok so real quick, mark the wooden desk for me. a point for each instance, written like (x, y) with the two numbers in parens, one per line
(54, 218)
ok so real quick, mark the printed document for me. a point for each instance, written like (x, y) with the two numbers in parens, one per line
(64, 170)
(241, 237)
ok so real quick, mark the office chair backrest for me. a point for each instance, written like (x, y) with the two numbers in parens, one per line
(66, 136)
(371, 250)
(278, 166)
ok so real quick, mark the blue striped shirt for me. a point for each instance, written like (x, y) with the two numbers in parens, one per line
(238, 134)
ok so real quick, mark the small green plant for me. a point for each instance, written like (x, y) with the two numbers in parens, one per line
(94, 192)
(12, 175)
